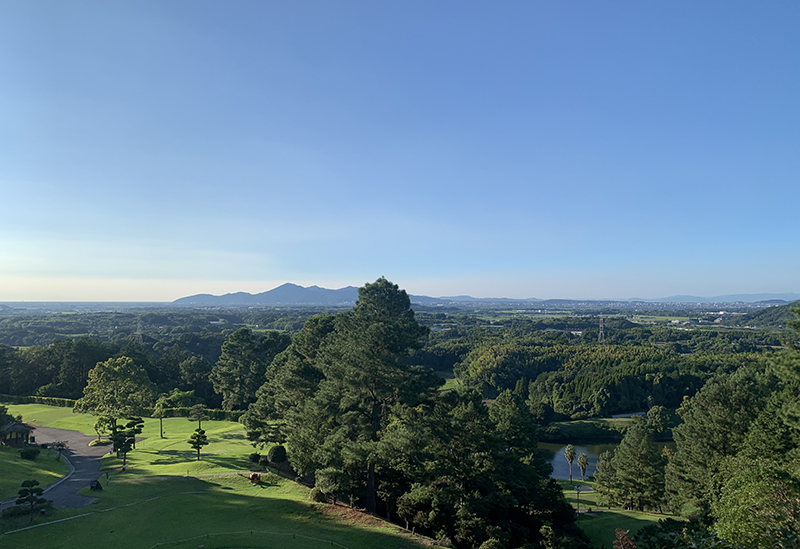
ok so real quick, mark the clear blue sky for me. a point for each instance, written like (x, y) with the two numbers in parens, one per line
(152, 150)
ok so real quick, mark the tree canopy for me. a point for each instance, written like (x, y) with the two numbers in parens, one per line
(117, 388)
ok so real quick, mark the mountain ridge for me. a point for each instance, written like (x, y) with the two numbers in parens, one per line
(294, 294)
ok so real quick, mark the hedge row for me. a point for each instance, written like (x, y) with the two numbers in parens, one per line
(49, 401)
(217, 415)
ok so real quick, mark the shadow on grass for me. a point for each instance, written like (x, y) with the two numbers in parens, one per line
(232, 436)
(183, 509)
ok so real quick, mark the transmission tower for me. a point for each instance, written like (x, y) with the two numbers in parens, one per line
(601, 336)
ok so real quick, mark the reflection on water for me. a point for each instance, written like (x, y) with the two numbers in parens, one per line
(553, 453)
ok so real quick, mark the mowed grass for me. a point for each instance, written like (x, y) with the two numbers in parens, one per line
(600, 523)
(53, 416)
(46, 468)
(166, 495)
(450, 381)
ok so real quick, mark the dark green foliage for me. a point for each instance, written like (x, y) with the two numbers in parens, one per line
(277, 453)
(332, 482)
(198, 440)
(634, 477)
(660, 419)
(198, 413)
(123, 441)
(715, 425)
(28, 500)
(374, 428)
(49, 401)
(674, 534)
(29, 453)
(255, 457)
(318, 495)
(569, 455)
(291, 379)
(583, 463)
(468, 484)
(240, 370)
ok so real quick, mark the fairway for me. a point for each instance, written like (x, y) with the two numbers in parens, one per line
(600, 523)
(167, 496)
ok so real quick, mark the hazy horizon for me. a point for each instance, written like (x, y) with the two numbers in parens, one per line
(411, 292)
(552, 150)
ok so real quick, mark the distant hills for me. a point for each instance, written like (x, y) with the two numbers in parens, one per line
(286, 294)
(778, 299)
(292, 294)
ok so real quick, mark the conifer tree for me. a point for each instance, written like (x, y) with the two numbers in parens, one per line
(198, 440)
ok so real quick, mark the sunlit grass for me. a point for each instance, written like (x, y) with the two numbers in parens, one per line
(166, 495)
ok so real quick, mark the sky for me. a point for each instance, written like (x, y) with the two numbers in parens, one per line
(153, 150)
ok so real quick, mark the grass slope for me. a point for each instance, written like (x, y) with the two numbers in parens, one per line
(46, 468)
(167, 496)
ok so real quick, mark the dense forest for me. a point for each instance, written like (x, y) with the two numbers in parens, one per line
(356, 396)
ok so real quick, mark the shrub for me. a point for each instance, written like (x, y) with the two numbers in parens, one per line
(318, 496)
(96, 442)
(491, 544)
(255, 457)
(29, 453)
(20, 510)
(264, 462)
(277, 454)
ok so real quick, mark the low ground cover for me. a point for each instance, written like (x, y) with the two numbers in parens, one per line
(166, 495)
(585, 430)
(600, 523)
(46, 468)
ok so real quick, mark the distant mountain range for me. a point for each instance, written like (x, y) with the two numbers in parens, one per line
(286, 294)
(291, 294)
(733, 298)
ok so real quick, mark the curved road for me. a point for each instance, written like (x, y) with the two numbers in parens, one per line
(84, 458)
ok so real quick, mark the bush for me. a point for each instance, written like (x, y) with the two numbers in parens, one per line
(96, 442)
(491, 544)
(277, 454)
(29, 453)
(264, 462)
(255, 457)
(318, 496)
(21, 510)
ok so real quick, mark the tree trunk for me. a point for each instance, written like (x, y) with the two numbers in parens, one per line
(161, 426)
(371, 496)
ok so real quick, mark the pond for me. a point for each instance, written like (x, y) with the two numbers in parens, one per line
(553, 453)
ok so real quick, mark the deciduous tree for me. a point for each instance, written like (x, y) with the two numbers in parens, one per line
(117, 388)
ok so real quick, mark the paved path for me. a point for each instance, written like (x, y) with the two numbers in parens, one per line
(84, 458)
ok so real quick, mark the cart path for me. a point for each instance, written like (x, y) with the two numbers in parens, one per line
(85, 468)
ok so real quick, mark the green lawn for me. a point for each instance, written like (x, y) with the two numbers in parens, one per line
(601, 523)
(450, 381)
(168, 496)
(46, 468)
